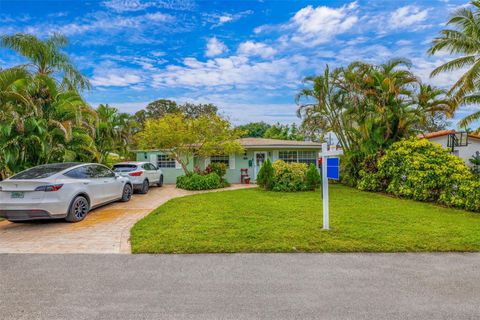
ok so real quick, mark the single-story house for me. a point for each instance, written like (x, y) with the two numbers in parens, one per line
(257, 150)
(461, 144)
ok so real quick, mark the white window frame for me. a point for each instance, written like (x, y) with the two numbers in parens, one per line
(167, 160)
(225, 159)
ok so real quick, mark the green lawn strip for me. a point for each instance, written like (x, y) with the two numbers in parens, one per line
(252, 220)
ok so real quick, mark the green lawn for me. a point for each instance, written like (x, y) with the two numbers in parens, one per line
(253, 220)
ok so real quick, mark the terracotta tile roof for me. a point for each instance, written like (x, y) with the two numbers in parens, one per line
(262, 142)
(431, 135)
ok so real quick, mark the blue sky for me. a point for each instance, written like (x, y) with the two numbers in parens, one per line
(248, 57)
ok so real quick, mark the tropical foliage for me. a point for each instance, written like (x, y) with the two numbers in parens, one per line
(184, 138)
(424, 171)
(369, 107)
(461, 39)
(43, 117)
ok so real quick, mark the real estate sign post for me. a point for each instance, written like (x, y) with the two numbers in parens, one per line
(330, 170)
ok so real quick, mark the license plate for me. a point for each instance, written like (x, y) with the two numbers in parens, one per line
(17, 195)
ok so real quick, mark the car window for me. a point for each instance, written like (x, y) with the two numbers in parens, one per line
(44, 171)
(84, 172)
(150, 166)
(124, 167)
(103, 172)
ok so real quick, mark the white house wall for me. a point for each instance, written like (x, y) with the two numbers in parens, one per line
(464, 153)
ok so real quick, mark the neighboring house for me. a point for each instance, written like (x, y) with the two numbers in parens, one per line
(257, 150)
(461, 144)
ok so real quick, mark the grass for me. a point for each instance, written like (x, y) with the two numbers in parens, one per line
(252, 220)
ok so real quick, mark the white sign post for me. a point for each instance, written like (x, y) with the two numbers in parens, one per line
(325, 154)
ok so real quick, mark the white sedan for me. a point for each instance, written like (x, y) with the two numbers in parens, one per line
(61, 190)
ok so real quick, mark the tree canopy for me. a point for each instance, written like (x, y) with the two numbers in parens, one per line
(184, 138)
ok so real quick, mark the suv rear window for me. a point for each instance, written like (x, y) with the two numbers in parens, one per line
(124, 167)
(42, 172)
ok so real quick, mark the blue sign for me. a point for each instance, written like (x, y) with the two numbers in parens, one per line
(333, 168)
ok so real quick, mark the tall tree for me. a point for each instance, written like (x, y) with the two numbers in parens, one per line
(254, 129)
(462, 39)
(184, 138)
(192, 110)
(45, 57)
(160, 108)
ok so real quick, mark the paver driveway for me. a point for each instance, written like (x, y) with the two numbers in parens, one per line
(105, 230)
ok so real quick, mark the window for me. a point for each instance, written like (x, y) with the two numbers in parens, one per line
(220, 159)
(84, 172)
(124, 167)
(288, 156)
(44, 171)
(165, 161)
(90, 172)
(103, 172)
(306, 157)
(149, 166)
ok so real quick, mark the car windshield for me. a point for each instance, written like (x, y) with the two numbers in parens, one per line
(43, 171)
(124, 167)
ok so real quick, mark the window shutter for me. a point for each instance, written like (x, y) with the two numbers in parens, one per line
(207, 161)
(231, 161)
(275, 155)
(154, 160)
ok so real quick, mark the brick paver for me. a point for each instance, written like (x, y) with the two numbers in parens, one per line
(105, 230)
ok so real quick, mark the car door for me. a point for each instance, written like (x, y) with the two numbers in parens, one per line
(152, 173)
(112, 187)
(88, 179)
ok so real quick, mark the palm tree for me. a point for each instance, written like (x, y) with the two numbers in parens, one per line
(46, 57)
(462, 39)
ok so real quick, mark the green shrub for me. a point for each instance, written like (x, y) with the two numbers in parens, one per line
(464, 194)
(421, 170)
(196, 181)
(313, 178)
(289, 176)
(265, 175)
(219, 168)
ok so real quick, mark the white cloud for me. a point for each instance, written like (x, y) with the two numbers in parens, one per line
(251, 48)
(115, 79)
(109, 74)
(218, 20)
(234, 72)
(215, 47)
(403, 42)
(407, 16)
(312, 26)
(137, 5)
(424, 66)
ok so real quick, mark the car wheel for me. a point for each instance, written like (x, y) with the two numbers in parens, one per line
(127, 193)
(160, 182)
(144, 188)
(78, 209)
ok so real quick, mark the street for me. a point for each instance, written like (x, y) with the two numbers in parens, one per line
(240, 286)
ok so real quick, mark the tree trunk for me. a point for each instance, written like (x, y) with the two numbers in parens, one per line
(179, 160)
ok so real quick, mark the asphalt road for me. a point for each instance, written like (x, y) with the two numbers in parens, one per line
(240, 286)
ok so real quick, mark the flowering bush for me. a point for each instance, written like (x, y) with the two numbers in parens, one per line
(289, 176)
(421, 170)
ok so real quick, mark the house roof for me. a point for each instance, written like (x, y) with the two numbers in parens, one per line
(442, 133)
(275, 143)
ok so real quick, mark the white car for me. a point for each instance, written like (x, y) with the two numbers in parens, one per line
(61, 190)
(141, 174)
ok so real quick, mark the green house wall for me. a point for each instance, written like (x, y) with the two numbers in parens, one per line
(242, 161)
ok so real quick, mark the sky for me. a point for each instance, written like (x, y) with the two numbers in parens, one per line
(247, 57)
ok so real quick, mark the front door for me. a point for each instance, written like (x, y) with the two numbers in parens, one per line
(259, 159)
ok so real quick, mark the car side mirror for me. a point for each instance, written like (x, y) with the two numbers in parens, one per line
(117, 175)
